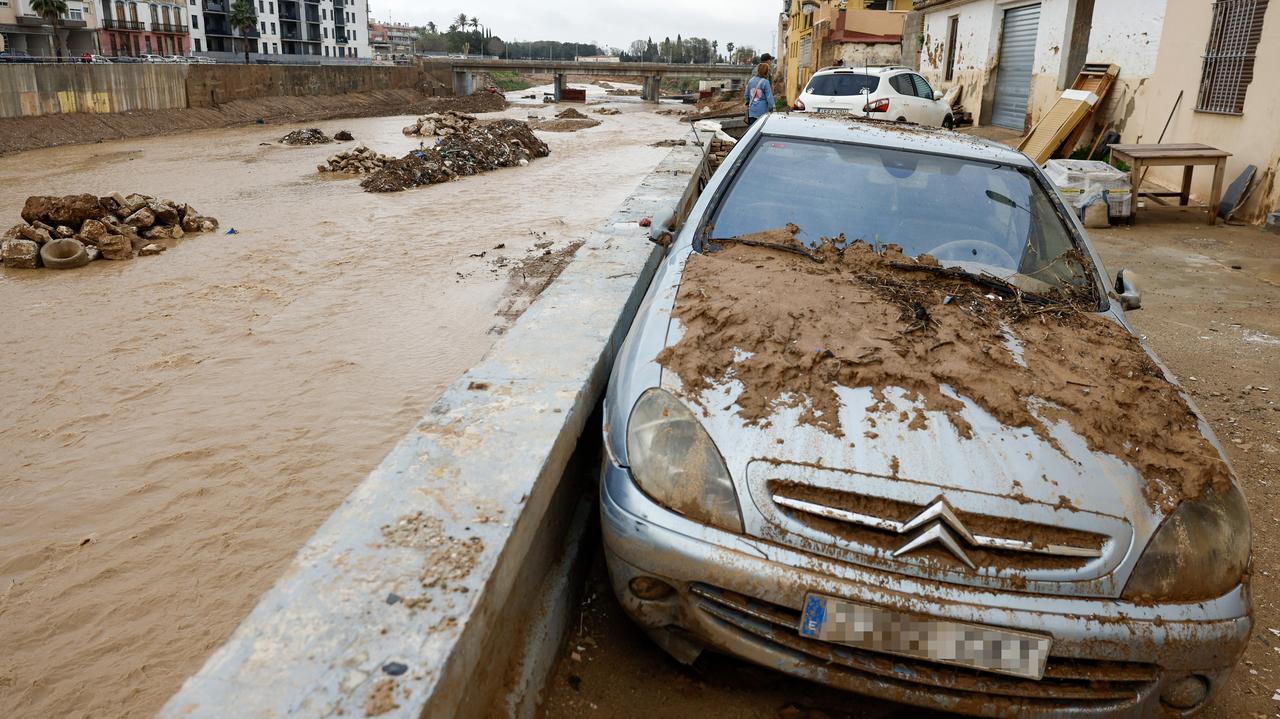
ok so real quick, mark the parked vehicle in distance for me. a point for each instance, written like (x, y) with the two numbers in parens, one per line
(125, 59)
(15, 56)
(806, 501)
(202, 60)
(99, 59)
(151, 58)
(883, 93)
(175, 59)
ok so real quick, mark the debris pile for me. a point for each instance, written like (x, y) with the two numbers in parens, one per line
(719, 150)
(720, 108)
(1029, 360)
(678, 112)
(72, 231)
(567, 120)
(480, 148)
(620, 92)
(343, 136)
(360, 161)
(608, 111)
(440, 124)
(309, 136)
(669, 143)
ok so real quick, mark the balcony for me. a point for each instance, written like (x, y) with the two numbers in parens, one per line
(113, 24)
(225, 31)
(169, 27)
(215, 6)
(63, 22)
(340, 39)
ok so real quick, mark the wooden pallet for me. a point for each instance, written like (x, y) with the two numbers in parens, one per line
(1060, 130)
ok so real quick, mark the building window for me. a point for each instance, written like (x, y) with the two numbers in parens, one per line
(197, 43)
(1229, 54)
(953, 35)
(275, 47)
(264, 27)
(260, 6)
(195, 22)
(273, 28)
(73, 13)
(326, 32)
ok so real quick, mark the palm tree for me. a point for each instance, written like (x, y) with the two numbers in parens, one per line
(715, 50)
(461, 21)
(51, 10)
(728, 48)
(474, 22)
(243, 18)
(431, 28)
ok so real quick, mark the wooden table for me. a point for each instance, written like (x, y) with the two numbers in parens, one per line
(1186, 155)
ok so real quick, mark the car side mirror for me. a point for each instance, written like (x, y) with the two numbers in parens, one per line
(937, 95)
(661, 231)
(1127, 290)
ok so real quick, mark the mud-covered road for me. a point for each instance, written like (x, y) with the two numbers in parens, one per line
(1211, 311)
(175, 427)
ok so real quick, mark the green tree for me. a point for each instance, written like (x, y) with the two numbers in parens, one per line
(243, 18)
(474, 22)
(51, 10)
(715, 51)
(728, 48)
(431, 28)
(460, 22)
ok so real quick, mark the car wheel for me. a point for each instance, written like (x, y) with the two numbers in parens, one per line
(949, 122)
(902, 119)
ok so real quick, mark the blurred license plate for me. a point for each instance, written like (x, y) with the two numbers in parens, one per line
(991, 649)
(834, 110)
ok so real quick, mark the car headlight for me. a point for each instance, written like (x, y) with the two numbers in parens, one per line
(674, 461)
(1200, 552)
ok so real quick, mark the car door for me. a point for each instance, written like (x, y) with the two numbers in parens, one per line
(932, 111)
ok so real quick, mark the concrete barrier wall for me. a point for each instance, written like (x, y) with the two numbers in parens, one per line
(437, 589)
(29, 90)
(47, 89)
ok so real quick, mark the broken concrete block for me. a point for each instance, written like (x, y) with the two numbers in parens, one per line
(116, 247)
(69, 210)
(152, 249)
(141, 219)
(20, 253)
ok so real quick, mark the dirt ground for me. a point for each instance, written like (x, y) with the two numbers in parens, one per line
(175, 427)
(1211, 312)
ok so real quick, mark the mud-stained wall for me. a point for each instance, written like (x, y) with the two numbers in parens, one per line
(27, 90)
(1251, 137)
(210, 85)
(1127, 34)
(31, 90)
(862, 54)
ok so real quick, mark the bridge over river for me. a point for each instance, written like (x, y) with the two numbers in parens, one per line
(652, 73)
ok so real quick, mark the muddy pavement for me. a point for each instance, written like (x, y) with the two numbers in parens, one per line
(176, 428)
(1217, 327)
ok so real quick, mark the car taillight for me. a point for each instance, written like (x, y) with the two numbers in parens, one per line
(798, 106)
(876, 106)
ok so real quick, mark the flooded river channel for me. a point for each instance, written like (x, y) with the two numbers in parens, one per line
(177, 426)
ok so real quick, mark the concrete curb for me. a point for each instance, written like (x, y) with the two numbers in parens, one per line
(433, 562)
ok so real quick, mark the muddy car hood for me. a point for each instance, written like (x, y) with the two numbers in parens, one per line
(1007, 481)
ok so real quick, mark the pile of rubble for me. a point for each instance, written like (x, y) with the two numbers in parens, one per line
(608, 111)
(479, 148)
(719, 150)
(619, 92)
(309, 136)
(673, 111)
(72, 231)
(343, 136)
(567, 120)
(440, 124)
(360, 161)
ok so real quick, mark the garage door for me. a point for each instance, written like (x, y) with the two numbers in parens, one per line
(1013, 77)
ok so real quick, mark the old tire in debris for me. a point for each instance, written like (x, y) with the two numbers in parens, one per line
(949, 122)
(64, 254)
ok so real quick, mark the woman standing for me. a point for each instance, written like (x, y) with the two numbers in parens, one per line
(758, 94)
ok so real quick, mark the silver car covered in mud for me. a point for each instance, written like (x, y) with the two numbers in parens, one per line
(880, 423)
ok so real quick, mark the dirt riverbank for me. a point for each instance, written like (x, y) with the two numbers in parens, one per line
(177, 428)
(28, 133)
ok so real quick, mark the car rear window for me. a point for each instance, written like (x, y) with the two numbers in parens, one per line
(842, 83)
(974, 215)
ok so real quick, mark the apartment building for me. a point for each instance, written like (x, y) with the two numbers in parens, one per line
(312, 30)
(131, 28)
(22, 29)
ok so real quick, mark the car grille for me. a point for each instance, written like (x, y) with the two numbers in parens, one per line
(879, 524)
(1067, 681)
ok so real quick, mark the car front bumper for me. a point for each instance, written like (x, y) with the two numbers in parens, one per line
(742, 596)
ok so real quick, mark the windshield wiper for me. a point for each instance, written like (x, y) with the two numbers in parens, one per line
(984, 280)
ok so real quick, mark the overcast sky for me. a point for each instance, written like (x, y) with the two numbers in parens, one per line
(610, 22)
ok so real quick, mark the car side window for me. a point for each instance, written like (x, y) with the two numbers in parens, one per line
(922, 87)
(902, 83)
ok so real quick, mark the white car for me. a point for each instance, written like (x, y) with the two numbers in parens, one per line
(886, 93)
(152, 58)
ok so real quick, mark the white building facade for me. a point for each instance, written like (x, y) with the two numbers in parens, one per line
(288, 31)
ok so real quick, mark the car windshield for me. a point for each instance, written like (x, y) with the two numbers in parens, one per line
(985, 219)
(842, 83)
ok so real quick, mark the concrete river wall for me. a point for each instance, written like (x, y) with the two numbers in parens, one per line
(438, 588)
(45, 89)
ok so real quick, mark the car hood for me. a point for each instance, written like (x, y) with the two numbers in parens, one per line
(863, 494)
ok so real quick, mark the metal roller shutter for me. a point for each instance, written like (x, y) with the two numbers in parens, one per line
(1017, 57)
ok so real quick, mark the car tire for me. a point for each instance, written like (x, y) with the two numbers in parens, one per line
(64, 254)
(901, 119)
(949, 122)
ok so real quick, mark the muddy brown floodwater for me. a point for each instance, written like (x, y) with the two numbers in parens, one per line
(175, 427)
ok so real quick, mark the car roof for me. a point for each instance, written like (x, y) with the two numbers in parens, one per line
(894, 135)
(864, 69)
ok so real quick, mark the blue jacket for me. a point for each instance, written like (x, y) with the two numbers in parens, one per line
(763, 103)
